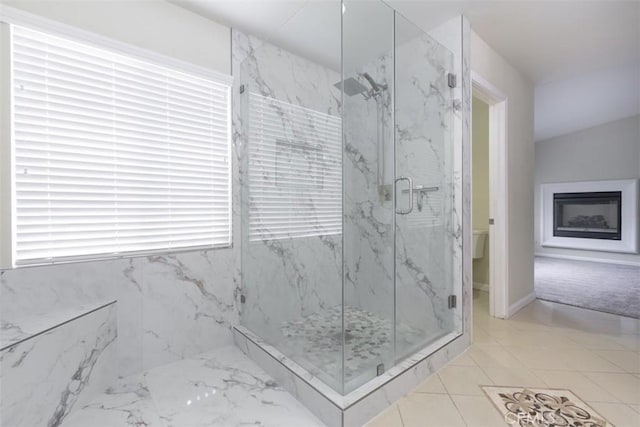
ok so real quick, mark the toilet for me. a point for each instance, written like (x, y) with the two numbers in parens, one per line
(479, 237)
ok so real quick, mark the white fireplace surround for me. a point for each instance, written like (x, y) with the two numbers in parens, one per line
(629, 217)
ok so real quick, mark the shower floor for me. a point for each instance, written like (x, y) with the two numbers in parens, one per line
(316, 340)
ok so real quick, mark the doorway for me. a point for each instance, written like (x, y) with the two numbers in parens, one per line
(490, 194)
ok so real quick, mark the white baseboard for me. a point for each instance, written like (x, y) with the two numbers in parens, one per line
(518, 305)
(591, 259)
(481, 286)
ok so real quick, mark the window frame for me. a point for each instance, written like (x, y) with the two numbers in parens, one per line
(11, 16)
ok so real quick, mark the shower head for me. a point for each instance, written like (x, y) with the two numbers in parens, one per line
(351, 86)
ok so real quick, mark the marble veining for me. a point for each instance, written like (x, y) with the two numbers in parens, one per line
(47, 376)
(127, 402)
(29, 325)
(298, 275)
(218, 388)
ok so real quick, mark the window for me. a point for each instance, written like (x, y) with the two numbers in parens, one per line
(114, 154)
(295, 171)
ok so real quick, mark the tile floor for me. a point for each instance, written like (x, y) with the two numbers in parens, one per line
(595, 355)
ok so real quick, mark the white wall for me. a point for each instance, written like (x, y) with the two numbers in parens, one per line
(520, 146)
(587, 100)
(480, 178)
(608, 151)
(156, 25)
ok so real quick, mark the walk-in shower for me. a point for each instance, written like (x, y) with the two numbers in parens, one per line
(351, 240)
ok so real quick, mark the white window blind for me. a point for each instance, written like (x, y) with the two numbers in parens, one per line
(114, 154)
(295, 171)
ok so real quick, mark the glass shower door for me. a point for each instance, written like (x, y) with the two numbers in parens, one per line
(423, 189)
(367, 126)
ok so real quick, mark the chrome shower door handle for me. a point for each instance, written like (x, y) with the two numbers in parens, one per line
(410, 191)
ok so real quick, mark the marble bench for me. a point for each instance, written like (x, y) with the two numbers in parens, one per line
(51, 364)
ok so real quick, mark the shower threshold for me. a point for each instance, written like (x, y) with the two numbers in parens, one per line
(360, 405)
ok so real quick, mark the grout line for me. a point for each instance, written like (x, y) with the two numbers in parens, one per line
(400, 413)
(458, 409)
(440, 378)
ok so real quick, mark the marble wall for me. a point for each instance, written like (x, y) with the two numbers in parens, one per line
(46, 376)
(425, 246)
(284, 279)
(169, 306)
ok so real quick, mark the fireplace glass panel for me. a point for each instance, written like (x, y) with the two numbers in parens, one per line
(595, 215)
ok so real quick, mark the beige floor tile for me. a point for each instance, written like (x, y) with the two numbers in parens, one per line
(578, 383)
(389, 418)
(616, 413)
(534, 358)
(627, 360)
(541, 340)
(493, 355)
(594, 341)
(521, 377)
(629, 341)
(431, 385)
(463, 360)
(587, 360)
(635, 408)
(478, 411)
(480, 336)
(624, 387)
(526, 325)
(499, 328)
(579, 319)
(463, 379)
(423, 410)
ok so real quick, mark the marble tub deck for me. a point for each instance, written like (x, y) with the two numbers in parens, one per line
(218, 388)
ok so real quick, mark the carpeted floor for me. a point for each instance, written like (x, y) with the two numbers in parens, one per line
(611, 288)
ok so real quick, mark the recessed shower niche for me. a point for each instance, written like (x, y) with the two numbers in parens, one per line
(351, 123)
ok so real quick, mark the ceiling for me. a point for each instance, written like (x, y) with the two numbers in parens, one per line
(553, 43)
(546, 40)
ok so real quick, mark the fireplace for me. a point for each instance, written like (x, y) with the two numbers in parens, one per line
(588, 215)
(591, 215)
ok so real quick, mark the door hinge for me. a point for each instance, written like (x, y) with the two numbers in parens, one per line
(452, 301)
(241, 88)
(243, 299)
(452, 80)
(380, 369)
(491, 221)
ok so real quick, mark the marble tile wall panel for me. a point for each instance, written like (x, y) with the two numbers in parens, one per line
(425, 248)
(170, 306)
(45, 377)
(188, 304)
(368, 206)
(285, 279)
